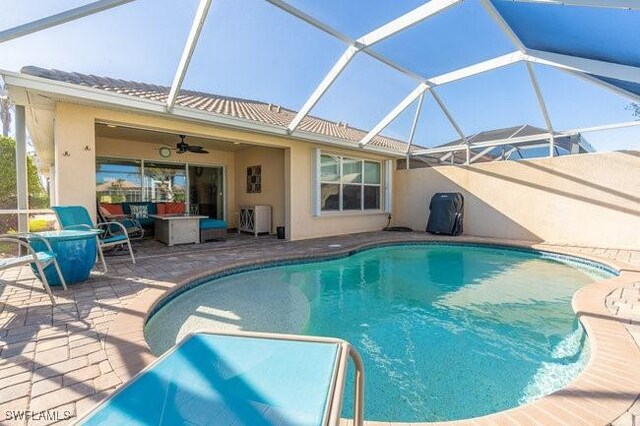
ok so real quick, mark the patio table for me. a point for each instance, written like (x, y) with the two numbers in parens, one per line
(173, 229)
(75, 251)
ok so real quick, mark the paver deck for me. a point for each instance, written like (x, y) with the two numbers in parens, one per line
(58, 362)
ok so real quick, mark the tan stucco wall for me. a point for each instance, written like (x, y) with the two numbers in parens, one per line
(303, 223)
(75, 128)
(271, 162)
(591, 199)
(75, 158)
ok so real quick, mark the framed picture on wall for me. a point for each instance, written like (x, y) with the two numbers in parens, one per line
(254, 179)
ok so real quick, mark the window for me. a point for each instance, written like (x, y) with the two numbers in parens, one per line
(118, 181)
(164, 182)
(123, 180)
(349, 184)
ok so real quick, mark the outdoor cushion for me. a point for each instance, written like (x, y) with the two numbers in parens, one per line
(212, 224)
(113, 239)
(174, 208)
(161, 208)
(139, 211)
(112, 209)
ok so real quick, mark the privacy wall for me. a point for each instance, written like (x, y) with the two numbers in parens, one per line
(590, 199)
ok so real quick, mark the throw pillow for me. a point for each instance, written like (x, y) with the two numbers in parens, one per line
(139, 211)
(114, 209)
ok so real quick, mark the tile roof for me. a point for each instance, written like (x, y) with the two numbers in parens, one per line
(235, 107)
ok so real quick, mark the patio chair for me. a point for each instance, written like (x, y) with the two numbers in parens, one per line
(40, 259)
(77, 217)
(132, 225)
(239, 378)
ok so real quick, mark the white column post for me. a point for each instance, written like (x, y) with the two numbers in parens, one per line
(21, 170)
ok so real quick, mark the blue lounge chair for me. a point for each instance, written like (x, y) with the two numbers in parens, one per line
(238, 378)
(77, 217)
(40, 259)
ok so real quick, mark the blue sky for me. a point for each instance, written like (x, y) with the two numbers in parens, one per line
(250, 49)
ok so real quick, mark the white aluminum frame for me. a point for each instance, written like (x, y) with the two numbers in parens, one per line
(405, 21)
(60, 18)
(607, 4)
(404, 104)
(577, 66)
(190, 46)
(584, 65)
(543, 108)
(610, 87)
(524, 139)
(440, 80)
(409, 19)
(497, 17)
(324, 85)
(414, 124)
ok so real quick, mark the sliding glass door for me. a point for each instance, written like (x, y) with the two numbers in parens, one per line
(127, 180)
(206, 190)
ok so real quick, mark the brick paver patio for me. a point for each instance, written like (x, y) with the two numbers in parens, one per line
(67, 358)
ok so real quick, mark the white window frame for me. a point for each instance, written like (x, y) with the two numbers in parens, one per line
(318, 182)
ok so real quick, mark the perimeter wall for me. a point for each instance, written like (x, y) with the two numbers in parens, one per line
(589, 199)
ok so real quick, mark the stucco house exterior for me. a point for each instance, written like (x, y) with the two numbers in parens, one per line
(87, 130)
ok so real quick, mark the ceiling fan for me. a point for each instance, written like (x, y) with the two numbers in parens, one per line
(182, 147)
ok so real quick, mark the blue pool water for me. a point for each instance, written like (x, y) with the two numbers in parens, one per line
(445, 331)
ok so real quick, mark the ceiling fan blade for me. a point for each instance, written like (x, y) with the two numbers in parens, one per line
(195, 148)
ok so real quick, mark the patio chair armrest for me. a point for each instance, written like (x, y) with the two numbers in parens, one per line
(9, 238)
(117, 217)
(107, 225)
(30, 235)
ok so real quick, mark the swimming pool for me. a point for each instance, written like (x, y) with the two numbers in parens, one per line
(445, 331)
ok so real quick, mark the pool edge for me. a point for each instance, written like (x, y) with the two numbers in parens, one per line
(608, 372)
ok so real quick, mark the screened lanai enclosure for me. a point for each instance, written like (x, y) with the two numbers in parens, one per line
(430, 83)
(408, 60)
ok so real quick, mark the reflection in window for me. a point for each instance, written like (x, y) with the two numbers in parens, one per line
(349, 184)
(329, 168)
(351, 170)
(329, 197)
(118, 181)
(352, 197)
(371, 197)
(165, 182)
(371, 172)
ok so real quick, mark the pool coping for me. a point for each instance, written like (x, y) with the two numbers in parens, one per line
(602, 392)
